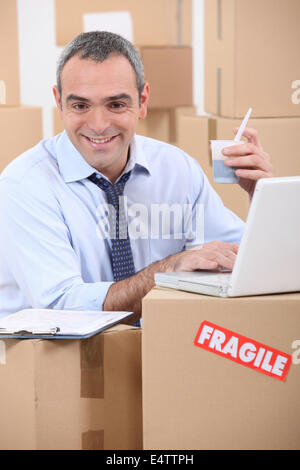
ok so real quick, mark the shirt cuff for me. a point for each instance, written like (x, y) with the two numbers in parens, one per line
(86, 296)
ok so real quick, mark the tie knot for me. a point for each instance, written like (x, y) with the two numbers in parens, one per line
(109, 187)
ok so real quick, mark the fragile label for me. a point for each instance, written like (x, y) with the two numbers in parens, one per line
(243, 350)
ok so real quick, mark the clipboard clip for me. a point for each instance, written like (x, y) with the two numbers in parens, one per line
(51, 332)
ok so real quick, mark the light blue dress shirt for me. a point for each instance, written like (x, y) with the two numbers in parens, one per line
(53, 253)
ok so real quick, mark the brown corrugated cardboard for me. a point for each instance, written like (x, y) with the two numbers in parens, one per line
(169, 71)
(251, 57)
(156, 125)
(72, 394)
(57, 122)
(22, 128)
(194, 399)
(163, 124)
(9, 54)
(193, 138)
(175, 115)
(167, 22)
(280, 137)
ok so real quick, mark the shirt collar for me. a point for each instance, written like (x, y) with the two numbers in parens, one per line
(137, 160)
(73, 167)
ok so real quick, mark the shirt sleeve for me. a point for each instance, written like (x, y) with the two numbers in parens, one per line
(211, 220)
(35, 243)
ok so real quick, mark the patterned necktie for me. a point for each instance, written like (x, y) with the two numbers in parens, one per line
(122, 259)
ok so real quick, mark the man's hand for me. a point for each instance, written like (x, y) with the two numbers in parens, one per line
(212, 255)
(250, 158)
(128, 293)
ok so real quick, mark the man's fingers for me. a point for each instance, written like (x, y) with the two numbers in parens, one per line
(206, 264)
(251, 135)
(225, 260)
(221, 258)
(239, 150)
(250, 161)
(235, 247)
(212, 255)
(253, 175)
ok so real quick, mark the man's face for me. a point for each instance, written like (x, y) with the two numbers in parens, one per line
(100, 110)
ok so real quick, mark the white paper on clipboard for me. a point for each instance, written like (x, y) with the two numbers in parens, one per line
(41, 322)
(118, 22)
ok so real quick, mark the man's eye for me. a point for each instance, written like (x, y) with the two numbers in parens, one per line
(117, 105)
(79, 106)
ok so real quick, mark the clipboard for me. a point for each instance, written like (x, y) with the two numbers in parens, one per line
(58, 324)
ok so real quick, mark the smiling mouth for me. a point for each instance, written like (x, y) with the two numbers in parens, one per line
(104, 140)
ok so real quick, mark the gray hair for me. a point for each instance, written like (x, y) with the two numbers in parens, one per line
(98, 46)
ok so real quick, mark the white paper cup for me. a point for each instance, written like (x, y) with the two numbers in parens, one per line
(222, 173)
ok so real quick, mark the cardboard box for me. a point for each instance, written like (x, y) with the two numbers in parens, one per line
(9, 53)
(163, 124)
(169, 71)
(72, 394)
(156, 125)
(58, 126)
(251, 57)
(280, 138)
(22, 128)
(195, 399)
(172, 19)
(193, 137)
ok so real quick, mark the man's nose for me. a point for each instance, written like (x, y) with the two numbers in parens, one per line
(98, 120)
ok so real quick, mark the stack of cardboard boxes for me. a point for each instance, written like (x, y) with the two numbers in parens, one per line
(86, 394)
(72, 394)
(162, 32)
(81, 394)
(195, 399)
(192, 397)
(251, 60)
(21, 126)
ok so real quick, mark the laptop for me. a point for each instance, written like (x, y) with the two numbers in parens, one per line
(268, 260)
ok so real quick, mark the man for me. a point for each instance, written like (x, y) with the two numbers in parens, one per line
(52, 249)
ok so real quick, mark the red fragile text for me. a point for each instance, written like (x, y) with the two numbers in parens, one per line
(243, 350)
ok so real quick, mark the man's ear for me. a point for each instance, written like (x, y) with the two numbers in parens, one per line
(57, 98)
(144, 101)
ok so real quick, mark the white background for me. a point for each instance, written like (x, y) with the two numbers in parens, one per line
(39, 54)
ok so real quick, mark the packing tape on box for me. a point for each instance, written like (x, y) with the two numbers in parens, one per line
(178, 20)
(212, 135)
(2, 353)
(2, 92)
(219, 20)
(92, 440)
(219, 91)
(92, 367)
